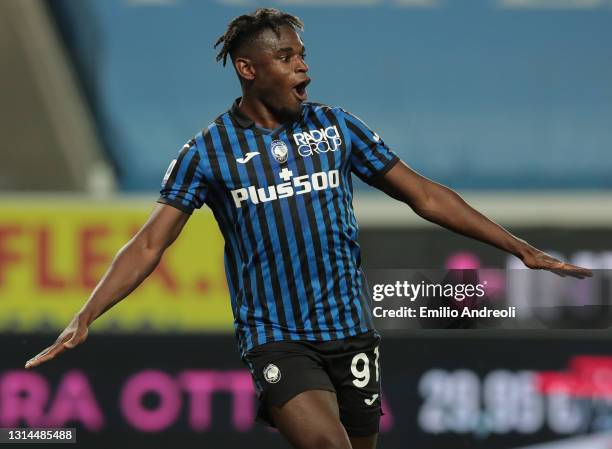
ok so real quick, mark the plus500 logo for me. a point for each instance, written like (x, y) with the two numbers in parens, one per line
(296, 186)
(317, 141)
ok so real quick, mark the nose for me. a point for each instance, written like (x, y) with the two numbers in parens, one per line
(301, 65)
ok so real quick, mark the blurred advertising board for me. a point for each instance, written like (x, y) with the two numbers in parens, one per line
(52, 254)
(436, 248)
(192, 391)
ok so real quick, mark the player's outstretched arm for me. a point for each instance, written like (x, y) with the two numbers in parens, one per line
(132, 264)
(441, 205)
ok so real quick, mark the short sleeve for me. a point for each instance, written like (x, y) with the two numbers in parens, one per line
(184, 186)
(370, 157)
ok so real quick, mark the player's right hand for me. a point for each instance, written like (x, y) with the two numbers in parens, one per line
(74, 334)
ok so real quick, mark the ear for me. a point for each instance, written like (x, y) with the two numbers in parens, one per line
(244, 68)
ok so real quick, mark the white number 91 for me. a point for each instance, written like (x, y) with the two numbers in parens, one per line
(362, 374)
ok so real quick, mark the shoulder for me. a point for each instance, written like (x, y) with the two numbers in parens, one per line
(189, 146)
(317, 108)
(205, 138)
(202, 141)
(197, 143)
(223, 120)
(339, 112)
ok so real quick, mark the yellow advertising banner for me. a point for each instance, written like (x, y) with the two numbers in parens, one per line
(53, 251)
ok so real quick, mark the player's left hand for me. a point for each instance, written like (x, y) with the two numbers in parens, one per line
(539, 260)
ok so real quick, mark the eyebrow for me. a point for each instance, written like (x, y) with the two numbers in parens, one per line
(290, 49)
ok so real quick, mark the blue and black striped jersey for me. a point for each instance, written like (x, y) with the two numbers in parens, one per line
(283, 201)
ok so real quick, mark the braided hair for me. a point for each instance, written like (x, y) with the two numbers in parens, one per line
(246, 28)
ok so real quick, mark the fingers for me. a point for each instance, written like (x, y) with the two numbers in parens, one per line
(580, 270)
(566, 269)
(577, 272)
(45, 355)
(544, 261)
(560, 268)
(73, 335)
(34, 360)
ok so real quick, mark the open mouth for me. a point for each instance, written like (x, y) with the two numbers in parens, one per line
(300, 90)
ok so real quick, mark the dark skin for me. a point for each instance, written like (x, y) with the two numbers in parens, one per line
(272, 74)
(269, 69)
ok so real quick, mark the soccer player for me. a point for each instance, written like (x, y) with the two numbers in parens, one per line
(276, 172)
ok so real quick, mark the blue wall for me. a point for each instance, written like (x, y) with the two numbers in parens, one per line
(470, 93)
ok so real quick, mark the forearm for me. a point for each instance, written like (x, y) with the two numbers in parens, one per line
(445, 207)
(130, 267)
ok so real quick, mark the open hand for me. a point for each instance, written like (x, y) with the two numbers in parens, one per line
(539, 260)
(74, 334)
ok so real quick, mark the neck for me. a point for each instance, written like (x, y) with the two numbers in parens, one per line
(256, 110)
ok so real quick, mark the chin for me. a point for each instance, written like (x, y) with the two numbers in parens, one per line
(292, 112)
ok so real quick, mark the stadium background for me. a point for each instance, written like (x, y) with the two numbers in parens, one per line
(508, 101)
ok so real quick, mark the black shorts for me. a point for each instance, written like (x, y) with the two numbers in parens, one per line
(349, 367)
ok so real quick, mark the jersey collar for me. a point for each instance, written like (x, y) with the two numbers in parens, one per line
(241, 119)
(245, 122)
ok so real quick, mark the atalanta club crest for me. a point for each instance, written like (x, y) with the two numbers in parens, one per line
(272, 373)
(279, 151)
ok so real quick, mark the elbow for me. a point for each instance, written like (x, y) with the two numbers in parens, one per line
(422, 197)
(426, 212)
(434, 203)
(440, 205)
(425, 206)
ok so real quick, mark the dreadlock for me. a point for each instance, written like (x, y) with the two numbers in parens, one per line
(245, 28)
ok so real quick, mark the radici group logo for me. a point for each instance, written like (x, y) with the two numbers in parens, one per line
(315, 141)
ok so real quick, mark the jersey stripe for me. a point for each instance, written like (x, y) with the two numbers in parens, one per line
(314, 263)
(321, 164)
(312, 211)
(285, 232)
(234, 255)
(245, 295)
(247, 145)
(343, 262)
(263, 254)
(280, 247)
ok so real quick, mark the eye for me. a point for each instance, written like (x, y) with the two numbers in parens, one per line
(304, 56)
(284, 58)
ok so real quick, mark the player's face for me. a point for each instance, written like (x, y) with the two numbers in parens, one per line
(281, 72)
